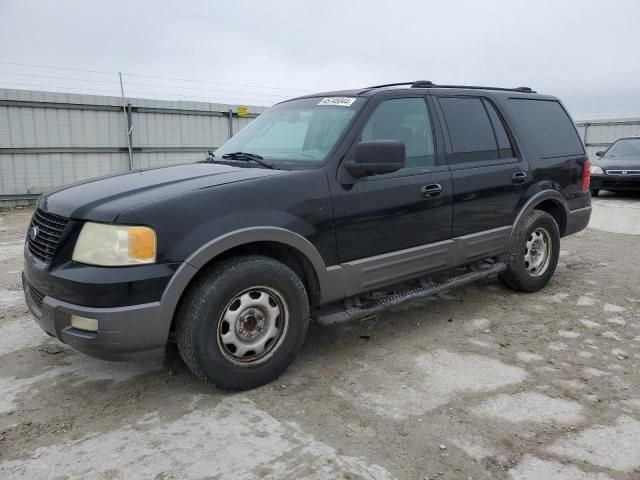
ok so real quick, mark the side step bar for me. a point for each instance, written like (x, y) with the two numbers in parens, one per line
(372, 308)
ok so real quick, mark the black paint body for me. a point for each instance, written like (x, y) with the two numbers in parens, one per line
(343, 217)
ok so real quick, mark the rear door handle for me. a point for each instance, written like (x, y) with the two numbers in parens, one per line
(519, 177)
(431, 190)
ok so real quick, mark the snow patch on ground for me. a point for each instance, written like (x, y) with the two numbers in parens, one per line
(557, 298)
(10, 298)
(609, 307)
(589, 323)
(617, 320)
(612, 335)
(611, 446)
(532, 468)
(585, 301)
(434, 379)
(10, 250)
(568, 334)
(473, 446)
(530, 407)
(197, 446)
(21, 333)
(557, 346)
(527, 357)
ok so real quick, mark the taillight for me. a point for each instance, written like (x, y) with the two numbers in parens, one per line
(586, 175)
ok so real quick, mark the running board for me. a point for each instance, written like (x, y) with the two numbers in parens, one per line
(373, 308)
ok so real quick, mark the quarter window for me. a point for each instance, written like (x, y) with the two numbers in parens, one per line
(405, 120)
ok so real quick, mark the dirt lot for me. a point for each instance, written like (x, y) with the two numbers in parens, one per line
(478, 383)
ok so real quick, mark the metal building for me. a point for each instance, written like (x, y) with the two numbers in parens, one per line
(599, 134)
(51, 139)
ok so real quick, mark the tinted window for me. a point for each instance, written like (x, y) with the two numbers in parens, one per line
(406, 120)
(472, 137)
(504, 144)
(549, 127)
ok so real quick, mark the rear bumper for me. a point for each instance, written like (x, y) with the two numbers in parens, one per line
(577, 220)
(124, 333)
(615, 182)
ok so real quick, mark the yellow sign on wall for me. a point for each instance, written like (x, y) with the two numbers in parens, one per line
(242, 111)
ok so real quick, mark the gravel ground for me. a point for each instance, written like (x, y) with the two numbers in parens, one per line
(478, 383)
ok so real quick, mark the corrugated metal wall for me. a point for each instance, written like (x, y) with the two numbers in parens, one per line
(51, 139)
(599, 134)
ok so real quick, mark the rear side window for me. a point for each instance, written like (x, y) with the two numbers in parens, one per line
(549, 127)
(472, 136)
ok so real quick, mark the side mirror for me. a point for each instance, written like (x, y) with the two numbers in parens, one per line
(599, 153)
(376, 157)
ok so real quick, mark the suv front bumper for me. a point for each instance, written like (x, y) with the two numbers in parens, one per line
(124, 333)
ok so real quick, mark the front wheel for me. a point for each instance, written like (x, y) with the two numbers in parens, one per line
(243, 322)
(534, 253)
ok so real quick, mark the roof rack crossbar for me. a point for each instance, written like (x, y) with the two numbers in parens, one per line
(429, 84)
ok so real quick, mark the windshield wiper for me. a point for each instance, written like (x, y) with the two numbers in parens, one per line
(248, 157)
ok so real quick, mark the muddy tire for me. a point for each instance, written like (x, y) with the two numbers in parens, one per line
(242, 322)
(534, 253)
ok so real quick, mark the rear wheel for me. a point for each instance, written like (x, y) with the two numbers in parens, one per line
(243, 322)
(594, 193)
(534, 253)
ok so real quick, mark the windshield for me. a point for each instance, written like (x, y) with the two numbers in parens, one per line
(629, 147)
(298, 132)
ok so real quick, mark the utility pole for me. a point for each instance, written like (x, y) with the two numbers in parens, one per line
(127, 122)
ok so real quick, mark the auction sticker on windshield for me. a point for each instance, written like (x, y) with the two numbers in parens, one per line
(340, 101)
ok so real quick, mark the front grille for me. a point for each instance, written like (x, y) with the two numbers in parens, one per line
(623, 172)
(36, 295)
(44, 234)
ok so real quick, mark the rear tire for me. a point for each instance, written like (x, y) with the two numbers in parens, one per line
(243, 322)
(594, 193)
(534, 253)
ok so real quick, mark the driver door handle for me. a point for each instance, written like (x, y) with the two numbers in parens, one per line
(519, 177)
(431, 190)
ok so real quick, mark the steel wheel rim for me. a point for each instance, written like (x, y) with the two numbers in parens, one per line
(537, 252)
(252, 326)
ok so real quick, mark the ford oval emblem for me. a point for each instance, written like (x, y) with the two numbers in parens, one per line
(33, 233)
(624, 172)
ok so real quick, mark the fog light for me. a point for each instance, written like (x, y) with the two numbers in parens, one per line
(84, 323)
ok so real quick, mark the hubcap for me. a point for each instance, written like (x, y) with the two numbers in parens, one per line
(537, 253)
(253, 325)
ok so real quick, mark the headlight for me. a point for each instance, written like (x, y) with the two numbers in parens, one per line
(596, 170)
(115, 245)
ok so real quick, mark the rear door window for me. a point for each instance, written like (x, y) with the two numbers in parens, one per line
(470, 130)
(548, 126)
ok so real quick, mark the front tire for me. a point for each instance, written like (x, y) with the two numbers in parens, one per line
(243, 322)
(534, 253)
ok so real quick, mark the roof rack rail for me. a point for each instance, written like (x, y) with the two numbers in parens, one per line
(430, 84)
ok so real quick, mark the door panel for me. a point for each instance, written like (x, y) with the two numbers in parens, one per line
(485, 197)
(385, 215)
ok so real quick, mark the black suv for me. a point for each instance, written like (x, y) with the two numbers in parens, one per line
(328, 207)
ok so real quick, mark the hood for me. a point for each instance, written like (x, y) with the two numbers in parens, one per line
(103, 199)
(619, 163)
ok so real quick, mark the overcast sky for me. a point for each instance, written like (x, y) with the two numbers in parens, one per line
(586, 52)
